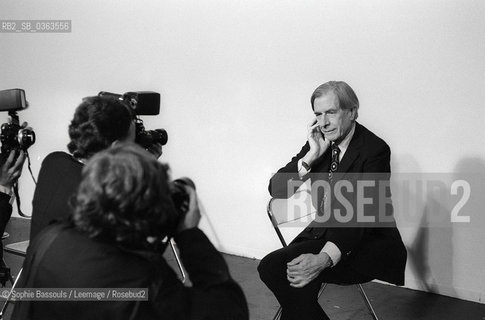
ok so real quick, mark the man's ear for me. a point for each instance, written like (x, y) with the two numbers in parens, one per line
(354, 113)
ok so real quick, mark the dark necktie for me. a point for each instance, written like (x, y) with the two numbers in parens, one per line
(325, 204)
(335, 162)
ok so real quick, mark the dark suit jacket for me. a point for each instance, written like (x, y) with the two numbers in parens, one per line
(5, 213)
(74, 260)
(373, 249)
(59, 177)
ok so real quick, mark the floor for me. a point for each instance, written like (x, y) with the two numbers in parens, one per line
(339, 302)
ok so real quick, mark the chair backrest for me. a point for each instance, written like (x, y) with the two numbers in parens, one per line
(294, 213)
(290, 210)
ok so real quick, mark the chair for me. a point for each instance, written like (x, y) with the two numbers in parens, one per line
(299, 210)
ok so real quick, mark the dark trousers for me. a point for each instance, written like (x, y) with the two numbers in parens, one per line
(302, 303)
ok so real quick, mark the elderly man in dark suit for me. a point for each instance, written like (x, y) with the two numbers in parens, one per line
(334, 248)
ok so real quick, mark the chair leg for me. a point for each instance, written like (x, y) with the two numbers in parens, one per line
(2, 312)
(278, 314)
(324, 285)
(179, 263)
(367, 302)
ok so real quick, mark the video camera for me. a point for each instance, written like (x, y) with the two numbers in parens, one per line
(12, 135)
(143, 103)
(147, 103)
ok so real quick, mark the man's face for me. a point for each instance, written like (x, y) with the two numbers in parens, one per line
(334, 122)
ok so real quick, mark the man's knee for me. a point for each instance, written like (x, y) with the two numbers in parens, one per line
(271, 267)
(264, 269)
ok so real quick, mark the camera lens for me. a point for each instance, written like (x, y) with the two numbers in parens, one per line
(161, 136)
(26, 138)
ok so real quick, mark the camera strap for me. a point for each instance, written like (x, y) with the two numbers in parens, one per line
(16, 188)
(17, 200)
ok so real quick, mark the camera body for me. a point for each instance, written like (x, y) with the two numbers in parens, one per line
(12, 135)
(143, 103)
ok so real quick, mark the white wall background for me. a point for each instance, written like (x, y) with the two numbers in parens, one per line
(236, 78)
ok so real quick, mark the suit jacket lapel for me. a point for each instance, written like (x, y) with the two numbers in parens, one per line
(353, 150)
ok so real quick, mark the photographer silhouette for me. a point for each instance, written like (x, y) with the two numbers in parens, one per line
(122, 211)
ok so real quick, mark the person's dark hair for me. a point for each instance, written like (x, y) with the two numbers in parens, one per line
(97, 122)
(345, 94)
(124, 198)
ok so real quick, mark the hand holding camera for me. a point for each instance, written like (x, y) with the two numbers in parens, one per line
(184, 197)
(155, 149)
(11, 170)
(192, 216)
(15, 138)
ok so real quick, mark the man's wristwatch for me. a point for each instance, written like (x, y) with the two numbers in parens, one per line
(306, 166)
